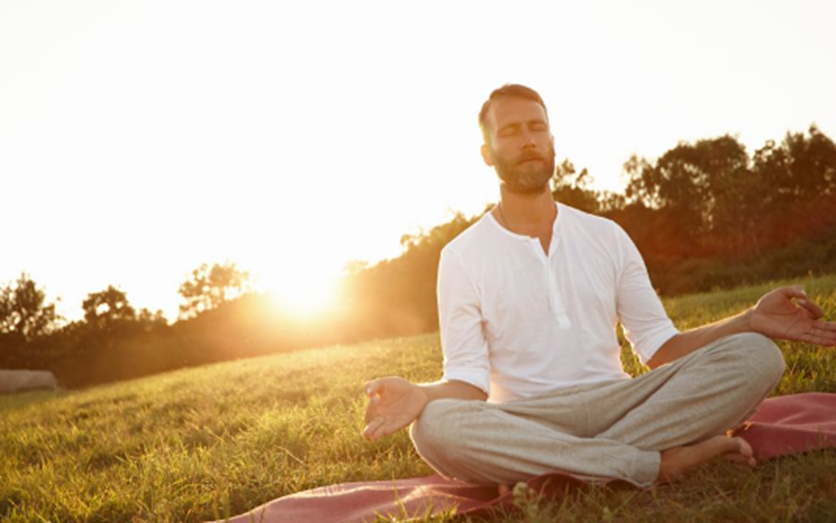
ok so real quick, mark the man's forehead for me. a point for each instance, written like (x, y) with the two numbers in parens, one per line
(508, 110)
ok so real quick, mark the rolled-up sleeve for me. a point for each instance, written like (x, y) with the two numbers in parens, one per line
(460, 322)
(646, 324)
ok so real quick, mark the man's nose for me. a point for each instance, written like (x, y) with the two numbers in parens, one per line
(527, 138)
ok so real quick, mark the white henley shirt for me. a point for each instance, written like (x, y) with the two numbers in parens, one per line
(517, 323)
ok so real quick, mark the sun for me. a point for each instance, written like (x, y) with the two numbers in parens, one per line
(303, 295)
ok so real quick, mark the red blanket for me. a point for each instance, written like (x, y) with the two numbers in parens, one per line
(783, 425)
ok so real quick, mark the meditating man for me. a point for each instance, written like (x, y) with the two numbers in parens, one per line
(529, 298)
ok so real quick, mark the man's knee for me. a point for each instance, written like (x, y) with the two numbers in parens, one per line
(431, 432)
(759, 357)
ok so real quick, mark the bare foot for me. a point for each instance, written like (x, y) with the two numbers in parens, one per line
(679, 460)
(504, 489)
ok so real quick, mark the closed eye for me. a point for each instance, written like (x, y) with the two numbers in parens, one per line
(509, 130)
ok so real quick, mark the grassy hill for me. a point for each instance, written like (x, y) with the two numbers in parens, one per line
(194, 444)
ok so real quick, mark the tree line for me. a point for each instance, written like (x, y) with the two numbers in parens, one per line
(113, 340)
(704, 214)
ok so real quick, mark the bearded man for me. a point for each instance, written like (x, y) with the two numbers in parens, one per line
(529, 299)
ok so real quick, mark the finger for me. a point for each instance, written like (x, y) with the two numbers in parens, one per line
(815, 311)
(371, 409)
(828, 326)
(823, 331)
(380, 431)
(824, 340)
(372, 427)
(367, 430)
(793, 291)
(819, 337)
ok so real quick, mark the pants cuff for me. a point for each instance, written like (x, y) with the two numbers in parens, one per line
(646, 468)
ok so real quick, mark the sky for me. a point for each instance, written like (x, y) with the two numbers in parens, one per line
(139, 139)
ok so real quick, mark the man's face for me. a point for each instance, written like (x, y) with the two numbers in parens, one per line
(522, 148)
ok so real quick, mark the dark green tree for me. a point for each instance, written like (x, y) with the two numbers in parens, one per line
(702, 187)
(801, 167)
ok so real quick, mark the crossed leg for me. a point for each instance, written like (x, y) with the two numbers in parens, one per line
(641, 430)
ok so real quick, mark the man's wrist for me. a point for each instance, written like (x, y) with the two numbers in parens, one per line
(746, 321)
(423, 390)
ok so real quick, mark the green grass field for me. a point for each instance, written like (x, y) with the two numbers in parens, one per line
(200, 443)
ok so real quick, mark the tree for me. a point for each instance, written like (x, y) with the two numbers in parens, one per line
(145, 316)
(800, 168)
(703, 187)
(798, 181)
(107, 308)
(23, 309)
(208, 287)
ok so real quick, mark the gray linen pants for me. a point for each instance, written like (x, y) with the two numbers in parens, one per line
(614, 429)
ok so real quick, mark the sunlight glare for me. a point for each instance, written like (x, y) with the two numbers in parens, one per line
(304, 296)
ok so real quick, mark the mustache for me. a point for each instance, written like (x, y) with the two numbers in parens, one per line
(531, 156)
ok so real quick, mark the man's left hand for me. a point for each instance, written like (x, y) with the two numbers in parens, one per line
(786, 313)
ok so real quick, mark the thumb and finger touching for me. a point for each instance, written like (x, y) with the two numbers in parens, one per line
(798, 296)
(817, 331)
(373, 387)
(378, 423)
(815, 311)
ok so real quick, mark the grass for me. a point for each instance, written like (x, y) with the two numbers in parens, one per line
(201, 443)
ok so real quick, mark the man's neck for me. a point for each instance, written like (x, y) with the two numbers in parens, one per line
(528, 214)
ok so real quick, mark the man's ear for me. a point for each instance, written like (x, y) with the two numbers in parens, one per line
(486, 155)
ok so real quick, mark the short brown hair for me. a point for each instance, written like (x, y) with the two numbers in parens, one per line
(507, 91)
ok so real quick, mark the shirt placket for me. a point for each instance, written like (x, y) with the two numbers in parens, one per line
(556, 303)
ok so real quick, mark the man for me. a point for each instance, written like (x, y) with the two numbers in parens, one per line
(529, 298)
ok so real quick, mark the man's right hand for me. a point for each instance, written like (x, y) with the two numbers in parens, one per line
(394, 403)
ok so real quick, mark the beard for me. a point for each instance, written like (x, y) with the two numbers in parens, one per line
(525, 178)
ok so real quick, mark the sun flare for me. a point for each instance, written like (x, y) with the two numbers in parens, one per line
(304, 296)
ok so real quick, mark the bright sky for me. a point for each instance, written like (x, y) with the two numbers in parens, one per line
(139, 139)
